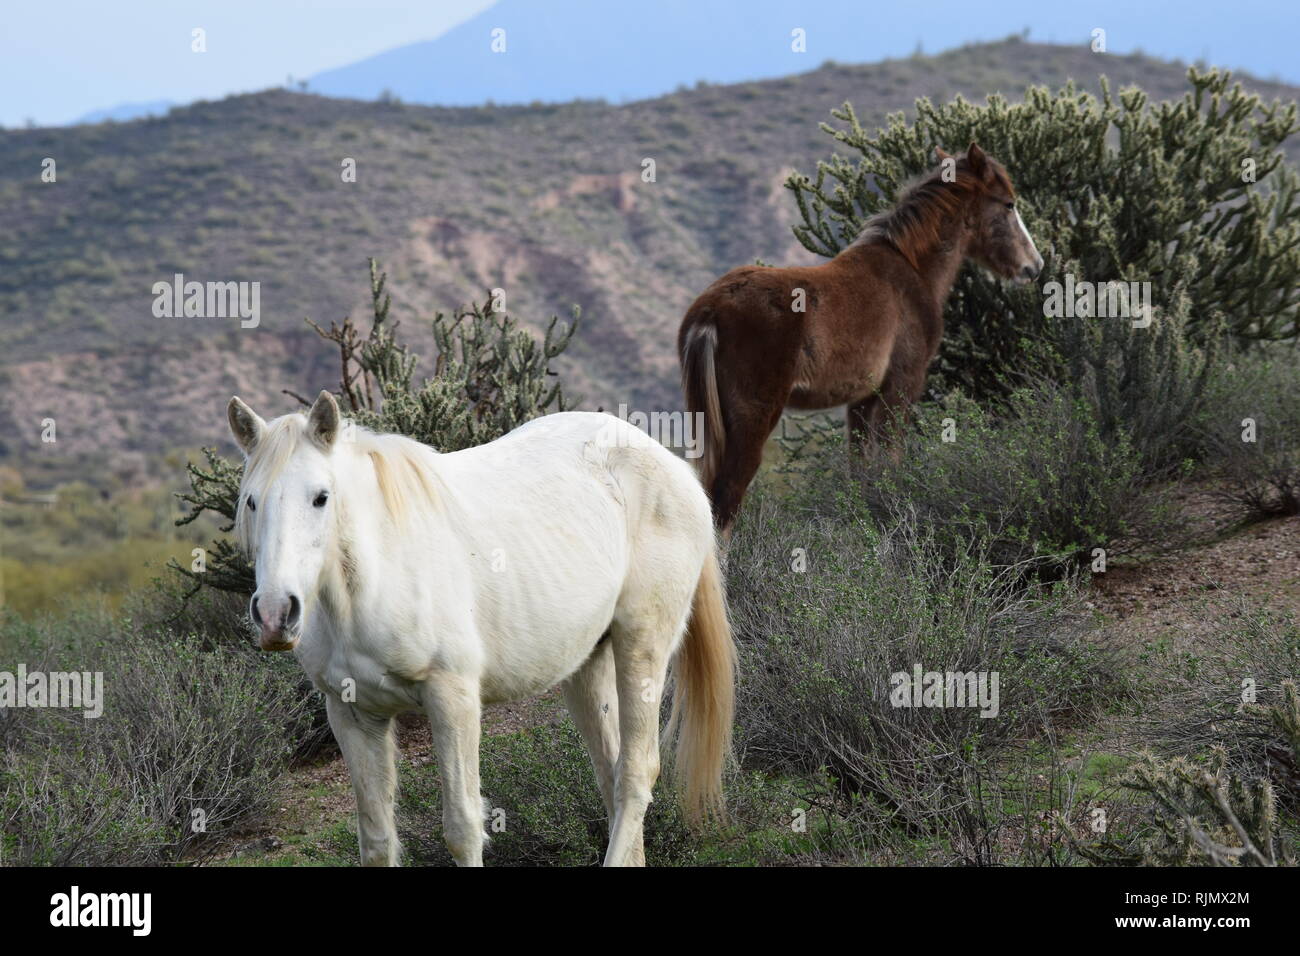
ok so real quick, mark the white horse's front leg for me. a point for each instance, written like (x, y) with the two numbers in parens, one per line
(453, 705)
(367, 744)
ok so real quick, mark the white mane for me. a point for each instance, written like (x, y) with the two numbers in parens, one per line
(401, 468)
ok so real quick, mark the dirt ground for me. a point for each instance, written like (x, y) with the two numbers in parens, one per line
(1180, 596)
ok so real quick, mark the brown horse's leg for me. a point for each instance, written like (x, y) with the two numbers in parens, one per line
(889, 416)
(858, 419)
(746, 435)
(740, 462)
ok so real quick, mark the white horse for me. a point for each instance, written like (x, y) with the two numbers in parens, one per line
(573, 550)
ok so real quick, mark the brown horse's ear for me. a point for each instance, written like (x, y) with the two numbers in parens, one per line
(976, 159)
(245, 424)
(323, 421)
(941, 154)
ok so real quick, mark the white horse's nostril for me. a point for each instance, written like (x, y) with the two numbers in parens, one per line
(275, 613)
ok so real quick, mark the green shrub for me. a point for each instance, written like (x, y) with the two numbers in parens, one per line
(829, 610)
(1224, 697)
(71, 807)
(183, 730)
(1252, 433)
(213, 619)
(1038, 483)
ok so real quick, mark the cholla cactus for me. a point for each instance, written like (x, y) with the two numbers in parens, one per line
(1151, 384)
(1192, 196)
(1205, 813)
(490, 377)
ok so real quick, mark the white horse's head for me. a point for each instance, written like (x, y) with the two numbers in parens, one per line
(285, 517)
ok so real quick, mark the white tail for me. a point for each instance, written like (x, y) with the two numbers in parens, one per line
(704, 701)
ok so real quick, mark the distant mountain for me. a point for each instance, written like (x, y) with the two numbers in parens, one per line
(569, 49)
(128, 111)
(523, 51)
(546, 202)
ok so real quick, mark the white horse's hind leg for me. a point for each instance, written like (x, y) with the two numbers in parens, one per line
(592, 698)
(641, 652)
(454, 708)
(367, 744)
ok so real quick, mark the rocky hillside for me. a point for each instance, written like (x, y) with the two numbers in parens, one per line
(546, 202)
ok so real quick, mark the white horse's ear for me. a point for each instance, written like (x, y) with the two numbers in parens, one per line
(323, 422)
(246, 425)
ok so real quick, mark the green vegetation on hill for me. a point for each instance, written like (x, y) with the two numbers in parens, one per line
(64, 545)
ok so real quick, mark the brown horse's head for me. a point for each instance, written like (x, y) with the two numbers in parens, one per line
(999, 240)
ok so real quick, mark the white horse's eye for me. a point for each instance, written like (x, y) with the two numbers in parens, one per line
(321, 499)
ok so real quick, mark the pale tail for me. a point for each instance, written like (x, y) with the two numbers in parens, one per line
(700, 384)
(704, 700)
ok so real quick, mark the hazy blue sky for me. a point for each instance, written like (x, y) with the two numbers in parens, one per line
(59, 61)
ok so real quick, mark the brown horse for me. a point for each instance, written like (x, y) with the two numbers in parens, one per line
(859, 330)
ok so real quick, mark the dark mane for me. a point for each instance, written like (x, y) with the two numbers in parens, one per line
(921, 217)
